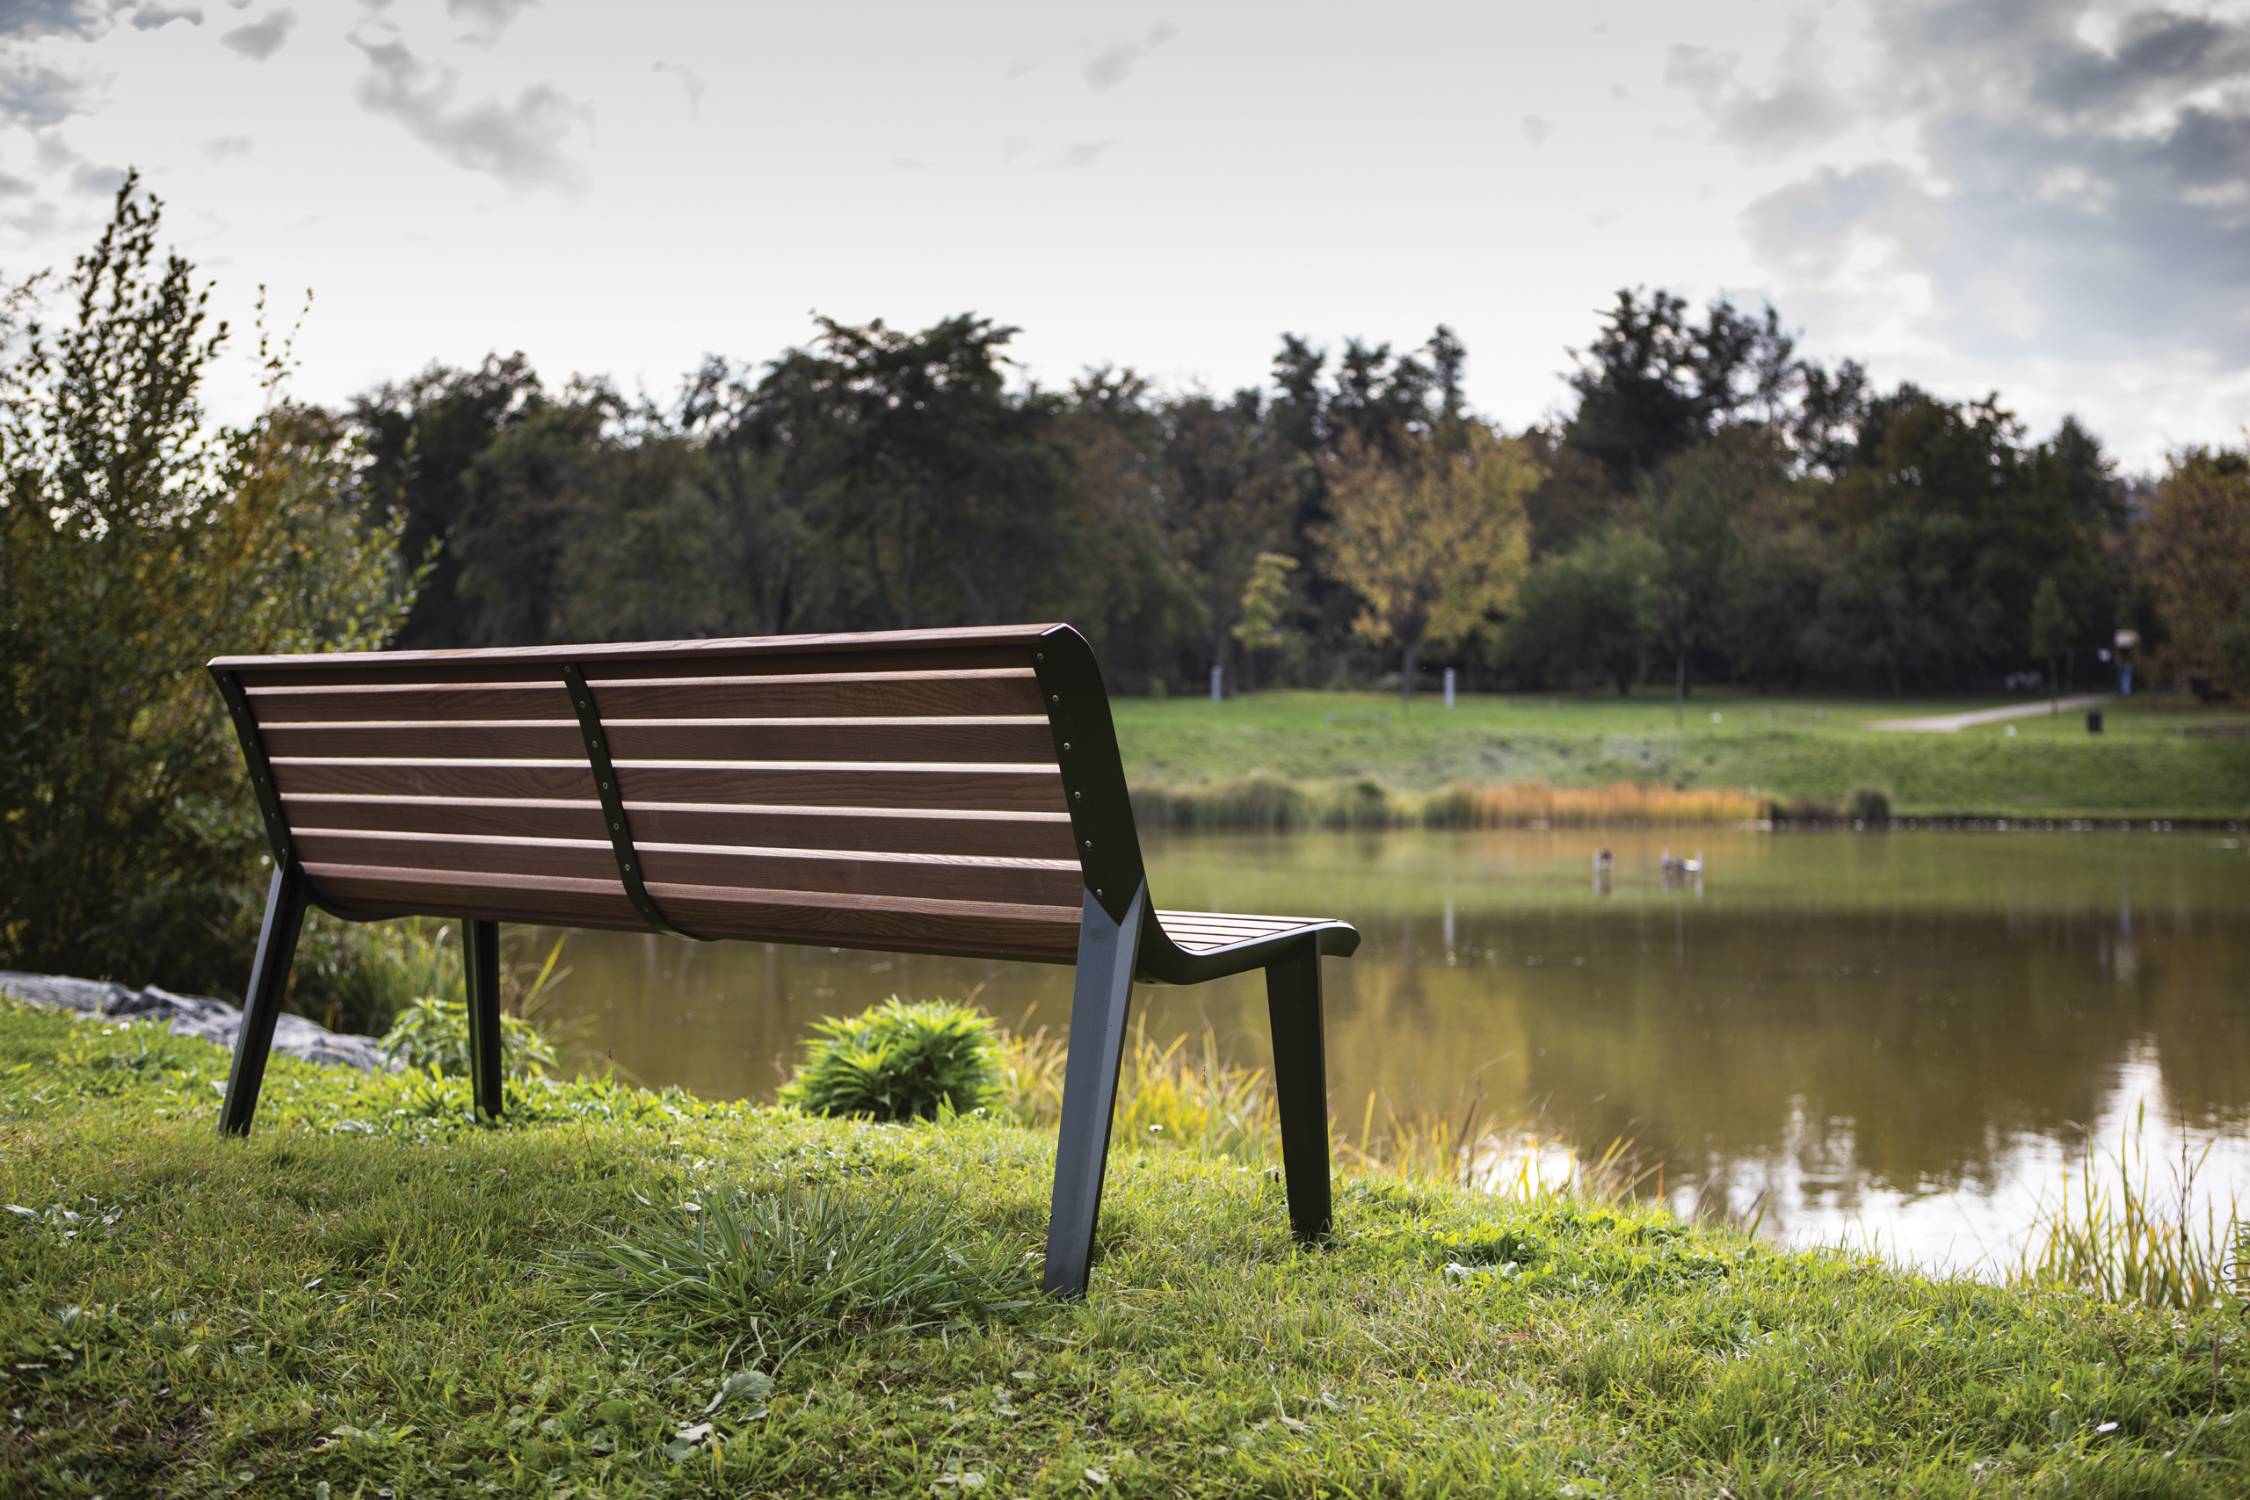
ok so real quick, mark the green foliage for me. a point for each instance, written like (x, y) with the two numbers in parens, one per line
(1430, 534)
(1269, 605)
(429, 1029)
(433, 1032)
(2195, 553)
(1588, 616)
(136, 541)
(765, 1274)
(896, 1061)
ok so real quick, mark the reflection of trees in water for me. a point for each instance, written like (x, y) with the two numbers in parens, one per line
(1911, 1047)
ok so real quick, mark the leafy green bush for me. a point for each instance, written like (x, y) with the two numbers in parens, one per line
(433, 1032)
(137, 540)
(432, 1029)
(896, 1061)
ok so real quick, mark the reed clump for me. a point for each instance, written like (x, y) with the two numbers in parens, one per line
(2117, 1232)
(1268, 803)
(1524, 803)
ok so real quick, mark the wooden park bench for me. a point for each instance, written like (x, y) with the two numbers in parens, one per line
(927, 791)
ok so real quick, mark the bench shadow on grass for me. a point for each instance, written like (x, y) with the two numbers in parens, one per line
(764, 1274)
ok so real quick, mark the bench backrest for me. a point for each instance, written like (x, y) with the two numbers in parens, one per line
(943, 791)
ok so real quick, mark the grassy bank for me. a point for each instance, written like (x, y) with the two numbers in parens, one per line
(1275, 759)
(373, 1293)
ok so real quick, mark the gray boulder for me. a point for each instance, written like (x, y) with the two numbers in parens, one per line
(193, 1015)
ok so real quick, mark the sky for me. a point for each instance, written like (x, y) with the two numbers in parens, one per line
(2045, 198)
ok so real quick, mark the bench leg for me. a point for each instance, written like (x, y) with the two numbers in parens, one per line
(261, 1002)
(1106, 952)
(480, 954)
(1300, 1077)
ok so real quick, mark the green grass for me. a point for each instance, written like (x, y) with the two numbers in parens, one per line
(1783, 749)
(374, 1295)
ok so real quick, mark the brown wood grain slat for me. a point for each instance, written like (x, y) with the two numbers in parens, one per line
(399, 778)
(759, 696)
(838, 643)
(1046, 934)
(1042, 934)
(1018, 740)
(601, 664)
(381, 891)
(1238, 919)
(822, 695)
(1019, 882)
(376, 702)
(959, 787)
(1004, 835)
(1223, 924)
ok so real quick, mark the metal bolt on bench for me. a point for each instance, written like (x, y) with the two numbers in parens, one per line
(929, 791)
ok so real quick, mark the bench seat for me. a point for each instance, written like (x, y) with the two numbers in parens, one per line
(952, 792)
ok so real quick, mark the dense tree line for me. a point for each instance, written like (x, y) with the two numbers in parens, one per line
(1714, 507)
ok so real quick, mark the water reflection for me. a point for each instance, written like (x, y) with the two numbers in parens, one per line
(1898, 1039)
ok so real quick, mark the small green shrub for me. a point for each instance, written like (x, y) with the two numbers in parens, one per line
(433, 1031)
(897, 1061)
(769, 1273)
(1868, 804)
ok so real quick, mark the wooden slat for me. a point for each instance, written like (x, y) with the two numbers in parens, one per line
(377, 891)
(822, 695)
(977, 787)
(376, 702)
(344, 669)
(903, 831)
(1047, 934)
(404, 778)
(1043, 934)
(1030, 882)
(1016, 835)
(858, 643)
(763, 695)
(1228, 918)
(488, 854)
(1019, 740)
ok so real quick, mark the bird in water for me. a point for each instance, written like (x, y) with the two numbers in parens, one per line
(1676, 868)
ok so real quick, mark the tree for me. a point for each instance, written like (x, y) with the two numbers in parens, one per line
(2195, 552)
(420, 442)
(939, 491)
(1690, 514)
(2050, 635)
(1269, 603)
(137, 541)
(1589, 615)
(1654, 383)
(1434, 542)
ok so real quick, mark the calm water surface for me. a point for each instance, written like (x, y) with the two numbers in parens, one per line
(1890, 1039)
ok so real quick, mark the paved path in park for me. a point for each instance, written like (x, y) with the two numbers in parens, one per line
(1948, 723)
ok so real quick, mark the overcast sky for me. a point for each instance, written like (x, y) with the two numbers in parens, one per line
(2043, 197)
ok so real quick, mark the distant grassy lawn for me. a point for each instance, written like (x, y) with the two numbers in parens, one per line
(374, 1296)
(1775, 747)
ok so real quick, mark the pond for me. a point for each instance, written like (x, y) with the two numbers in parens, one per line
(1892, 1040)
